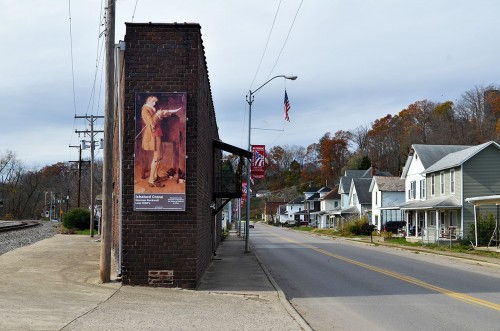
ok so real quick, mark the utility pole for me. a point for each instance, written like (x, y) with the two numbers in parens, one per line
(92, 133)
(80, 162)
(107, 182)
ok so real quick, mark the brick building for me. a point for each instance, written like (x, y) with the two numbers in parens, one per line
(170, 244)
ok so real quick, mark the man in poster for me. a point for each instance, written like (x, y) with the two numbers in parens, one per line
(151, 136)
(160, 151)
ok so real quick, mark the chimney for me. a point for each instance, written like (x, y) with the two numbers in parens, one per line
(373, 170)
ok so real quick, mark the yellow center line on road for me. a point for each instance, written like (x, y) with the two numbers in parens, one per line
(455, 295)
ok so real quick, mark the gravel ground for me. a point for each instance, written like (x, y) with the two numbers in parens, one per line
(14, 239)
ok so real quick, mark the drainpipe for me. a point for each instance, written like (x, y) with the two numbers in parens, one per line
(120, 49)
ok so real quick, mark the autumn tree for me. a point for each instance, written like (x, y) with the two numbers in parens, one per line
(334, 154)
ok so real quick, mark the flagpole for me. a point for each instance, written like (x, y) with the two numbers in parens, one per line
(250, 98)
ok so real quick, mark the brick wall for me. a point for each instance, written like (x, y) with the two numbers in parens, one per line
(170, 249)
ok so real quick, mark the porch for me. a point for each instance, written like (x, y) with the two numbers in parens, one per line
(434, 220)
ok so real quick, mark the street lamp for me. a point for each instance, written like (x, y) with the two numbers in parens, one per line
(250, 98)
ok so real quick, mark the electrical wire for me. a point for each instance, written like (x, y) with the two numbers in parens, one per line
(135, 7)
(286, 39)
(72, 73)
(71, 52)
(267, 43)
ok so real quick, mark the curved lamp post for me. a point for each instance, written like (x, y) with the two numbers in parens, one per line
(250, 98)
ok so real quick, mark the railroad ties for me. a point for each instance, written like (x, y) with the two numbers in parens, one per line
(16, 225)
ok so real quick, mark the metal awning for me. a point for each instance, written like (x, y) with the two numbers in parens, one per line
(484, 200)
(434, 203)
(350, 210)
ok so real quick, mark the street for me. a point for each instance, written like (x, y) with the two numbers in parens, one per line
(341, 285)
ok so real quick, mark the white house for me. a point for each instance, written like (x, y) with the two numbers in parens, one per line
(295, 210)
(328, 203)
(281, 215)
(387, 194)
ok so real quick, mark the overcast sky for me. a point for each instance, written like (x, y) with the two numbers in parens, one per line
(356, 61)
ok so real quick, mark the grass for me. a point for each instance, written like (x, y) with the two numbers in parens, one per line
(399, 241)
(85, 232)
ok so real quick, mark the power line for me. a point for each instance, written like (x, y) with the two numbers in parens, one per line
(135, 7)
(288, 35)
(71, 51)
(267, 43)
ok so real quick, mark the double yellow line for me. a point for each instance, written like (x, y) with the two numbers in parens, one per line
(455, 295)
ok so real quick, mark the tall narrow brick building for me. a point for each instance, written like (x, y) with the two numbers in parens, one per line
(165, 230)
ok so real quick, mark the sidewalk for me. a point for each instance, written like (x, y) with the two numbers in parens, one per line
(54, 285)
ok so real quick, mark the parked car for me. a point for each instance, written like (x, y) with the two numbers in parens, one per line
(394, 226)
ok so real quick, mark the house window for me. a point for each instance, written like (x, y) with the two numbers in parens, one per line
(376, 198)
(441, 216)
(412, 193)
(433, 185)
(452, 218)
(452, 181)
(432, 219)
(422, 189)
(441, 178)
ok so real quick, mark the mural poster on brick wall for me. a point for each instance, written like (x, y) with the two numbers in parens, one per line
(160, 152)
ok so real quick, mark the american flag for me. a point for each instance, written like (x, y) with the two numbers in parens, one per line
(287, 107)
(259, 159)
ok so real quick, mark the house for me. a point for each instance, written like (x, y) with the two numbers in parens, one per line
(387, 194)
(328, 203)
(312, 204)
(360, 197)
(281, 216)
(439, 211)
(347, 209)
(270, 208)
(295, 210)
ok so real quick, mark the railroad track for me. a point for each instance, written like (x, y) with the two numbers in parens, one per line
(16, 225)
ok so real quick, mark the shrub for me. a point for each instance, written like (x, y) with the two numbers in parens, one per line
(386, 234)
(77, 218)
(358, 227)
(486, 225)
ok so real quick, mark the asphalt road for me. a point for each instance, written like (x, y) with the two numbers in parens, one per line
(339, 285)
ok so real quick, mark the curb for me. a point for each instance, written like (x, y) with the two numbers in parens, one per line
(281, 295)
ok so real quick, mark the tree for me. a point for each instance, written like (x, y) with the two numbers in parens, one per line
(476, 112)
(334, 153)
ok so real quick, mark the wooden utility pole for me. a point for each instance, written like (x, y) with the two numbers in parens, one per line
(80, 162)
(92, 133)
(107, 180)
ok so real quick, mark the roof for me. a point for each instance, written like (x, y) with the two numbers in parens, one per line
(324, 189)
(313, 197)
(332, 195)
(297, 201)
(354, 173)
(430, 154)
(445, 202)
(312, 190)
(457, 158)
(362, 186)
(388, 184)
(350, 210)
(345, 181)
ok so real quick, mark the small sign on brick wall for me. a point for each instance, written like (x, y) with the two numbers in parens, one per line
(160, 277)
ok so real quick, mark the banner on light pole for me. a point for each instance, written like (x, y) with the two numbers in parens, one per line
(258, 161)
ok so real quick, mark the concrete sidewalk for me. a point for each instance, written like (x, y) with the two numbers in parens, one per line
(54, 285)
